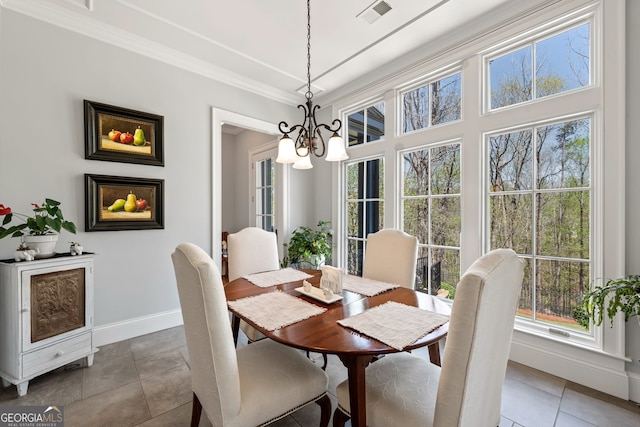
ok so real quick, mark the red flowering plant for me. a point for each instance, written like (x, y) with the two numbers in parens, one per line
(47, 219)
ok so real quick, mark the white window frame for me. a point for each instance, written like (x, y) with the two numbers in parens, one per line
(600, 366)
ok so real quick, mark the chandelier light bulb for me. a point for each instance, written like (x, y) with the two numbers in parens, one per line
(286, 150)
(303, 163)
(336, 151)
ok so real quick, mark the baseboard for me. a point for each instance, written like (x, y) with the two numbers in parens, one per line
(600, 373)
(634, 386)
(131, 328)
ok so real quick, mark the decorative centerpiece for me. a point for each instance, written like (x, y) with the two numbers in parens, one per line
(309, 248)
(38, 232)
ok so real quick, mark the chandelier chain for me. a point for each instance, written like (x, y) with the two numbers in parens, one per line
(309, 94)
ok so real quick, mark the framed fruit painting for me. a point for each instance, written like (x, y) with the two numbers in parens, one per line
(123, 203)
(122, 135)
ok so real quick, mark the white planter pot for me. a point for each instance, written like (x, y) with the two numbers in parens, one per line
(317, 261)
(45, 244)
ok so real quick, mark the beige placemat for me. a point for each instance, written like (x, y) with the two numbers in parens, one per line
(276, 277)
(397, 325)
(364, 286)
(275, 310)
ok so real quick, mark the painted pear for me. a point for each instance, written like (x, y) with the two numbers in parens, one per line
(138, 137)
(118, 205)
(130, 204)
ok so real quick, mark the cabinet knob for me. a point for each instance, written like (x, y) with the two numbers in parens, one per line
(60, 353)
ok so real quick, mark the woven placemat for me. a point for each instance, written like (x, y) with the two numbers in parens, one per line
(364, 286)
(397, 325)
(276, 277)
(275, 310)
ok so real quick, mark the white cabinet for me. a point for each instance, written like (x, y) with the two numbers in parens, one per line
(46, 316)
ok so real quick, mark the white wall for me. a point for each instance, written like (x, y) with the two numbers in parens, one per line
(632, 225)
(46, 72)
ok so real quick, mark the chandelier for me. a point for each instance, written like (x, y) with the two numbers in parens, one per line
(309, 139)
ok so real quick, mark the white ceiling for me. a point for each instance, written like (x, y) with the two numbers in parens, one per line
(261, 45)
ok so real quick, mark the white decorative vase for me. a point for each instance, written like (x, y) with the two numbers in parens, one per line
(317, 261)
(45, 244)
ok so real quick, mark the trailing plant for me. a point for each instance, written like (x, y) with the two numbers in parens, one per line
(615, 295)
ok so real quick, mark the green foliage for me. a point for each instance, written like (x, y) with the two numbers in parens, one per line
(448, 287)
(615, 295)
(581, 316)
(306, 242)
(46, 219)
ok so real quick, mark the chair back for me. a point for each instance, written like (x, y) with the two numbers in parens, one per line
(252, 250)
(214, 368)
(478, 343)
(391, 256)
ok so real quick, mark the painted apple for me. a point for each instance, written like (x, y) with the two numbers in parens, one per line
(126, 138)
(141, 204)
(114, 135)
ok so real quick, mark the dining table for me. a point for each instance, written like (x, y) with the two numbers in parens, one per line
(323, 334)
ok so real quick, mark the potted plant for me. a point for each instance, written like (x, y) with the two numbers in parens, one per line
(309, 246)
(615, 295)
(39, 231)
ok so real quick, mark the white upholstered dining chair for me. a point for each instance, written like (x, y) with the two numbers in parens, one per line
(390, 256)
(251, 250)
(403, 389)
(251, 386)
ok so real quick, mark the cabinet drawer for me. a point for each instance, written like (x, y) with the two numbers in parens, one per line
(55, 355)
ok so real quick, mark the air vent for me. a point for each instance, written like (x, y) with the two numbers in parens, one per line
(372, 13)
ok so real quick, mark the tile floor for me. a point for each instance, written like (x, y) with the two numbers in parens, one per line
(145, 382)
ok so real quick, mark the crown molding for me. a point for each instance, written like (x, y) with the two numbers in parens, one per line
(69, 20)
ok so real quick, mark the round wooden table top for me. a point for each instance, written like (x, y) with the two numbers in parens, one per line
(323, 334)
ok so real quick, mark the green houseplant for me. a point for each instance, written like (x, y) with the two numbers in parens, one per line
(309, 246)
(622, 294)
(41, 228)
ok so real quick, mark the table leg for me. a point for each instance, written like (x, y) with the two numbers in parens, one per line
(357, 392)
(235, 327)
(434, 353)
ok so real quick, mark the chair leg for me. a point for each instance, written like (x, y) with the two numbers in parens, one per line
(340, 418)
(324, 360)
(196, 411)
(325, 410)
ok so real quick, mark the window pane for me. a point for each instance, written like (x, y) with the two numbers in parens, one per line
(354, 257)
(511, 78)
(416, 219)
(354, 213)
(366, 125)
(416, 173)
(375, 122)
(375, 179)
(563, 224)
(559, 288)
(446, 99)
(562, 61)
(511, 222)
(564, 154)
(510, 161)
(445, 221)
(432, 104)
(525, 304)
(449, 260)
(445, 170)
(354, 184)
(422, 269)
(355, 123)
(416, 109)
